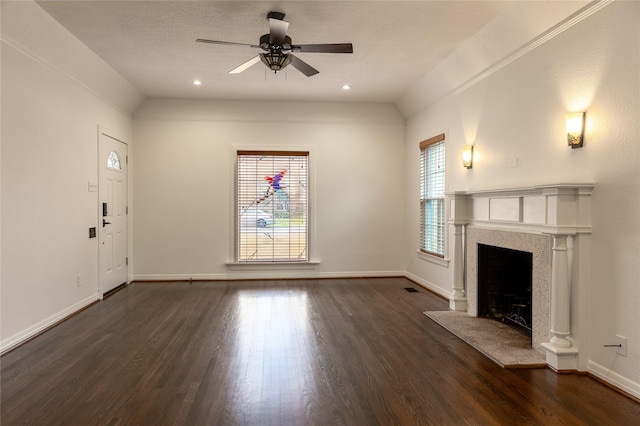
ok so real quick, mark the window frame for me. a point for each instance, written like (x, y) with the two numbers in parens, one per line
(286, 152)
(441, 228)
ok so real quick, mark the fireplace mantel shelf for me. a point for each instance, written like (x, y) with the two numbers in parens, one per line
(529, 189)
(560, 209)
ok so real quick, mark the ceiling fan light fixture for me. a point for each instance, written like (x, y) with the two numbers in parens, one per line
(277, 46)
(276, 61)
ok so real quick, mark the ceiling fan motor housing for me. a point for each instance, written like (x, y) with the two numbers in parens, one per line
(265, 43)
(275, 15)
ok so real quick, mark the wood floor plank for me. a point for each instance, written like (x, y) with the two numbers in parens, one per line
(291, 352)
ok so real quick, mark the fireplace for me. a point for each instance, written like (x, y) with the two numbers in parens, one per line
(539, 249)
(504, 286)
(550, 224)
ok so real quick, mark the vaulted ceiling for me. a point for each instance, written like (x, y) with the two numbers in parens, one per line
(152, 44)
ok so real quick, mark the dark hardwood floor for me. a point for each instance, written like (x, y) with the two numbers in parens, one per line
(317, 352)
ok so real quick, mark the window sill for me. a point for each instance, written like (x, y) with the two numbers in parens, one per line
(272, 265)
(433, 259)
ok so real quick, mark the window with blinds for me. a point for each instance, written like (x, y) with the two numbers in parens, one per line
(272, 206)
(432, 174)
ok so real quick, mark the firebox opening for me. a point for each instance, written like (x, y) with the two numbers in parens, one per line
(504, 286)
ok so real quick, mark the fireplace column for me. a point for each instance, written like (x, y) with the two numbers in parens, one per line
(458, 299)
(560, 354)
(458, 210)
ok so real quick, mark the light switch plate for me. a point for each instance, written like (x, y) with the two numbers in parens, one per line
(93, 186)
(622, 341)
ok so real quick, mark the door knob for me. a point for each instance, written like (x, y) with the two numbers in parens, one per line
(105, 223)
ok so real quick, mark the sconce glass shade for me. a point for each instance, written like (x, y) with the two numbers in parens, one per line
(575, 129)
(467, 156)
(276, 61)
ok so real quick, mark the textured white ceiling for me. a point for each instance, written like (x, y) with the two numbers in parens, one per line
(151, 43)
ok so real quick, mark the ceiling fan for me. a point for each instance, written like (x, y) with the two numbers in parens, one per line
(277, 47)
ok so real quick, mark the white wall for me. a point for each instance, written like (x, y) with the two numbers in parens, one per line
(518, 112)
(185, 178)
(49, 154)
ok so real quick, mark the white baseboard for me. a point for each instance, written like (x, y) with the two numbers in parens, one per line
(26, 334)
(362, 274)
(177, 277)
(249, 273)
(614, 379)
(428, 285)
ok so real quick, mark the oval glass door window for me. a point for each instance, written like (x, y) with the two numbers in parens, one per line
(113, 161)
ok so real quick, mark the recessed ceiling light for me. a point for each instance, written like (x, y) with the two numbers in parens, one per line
(197, 82)
(346, 87)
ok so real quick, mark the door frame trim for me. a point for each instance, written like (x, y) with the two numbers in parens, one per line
(104, 131)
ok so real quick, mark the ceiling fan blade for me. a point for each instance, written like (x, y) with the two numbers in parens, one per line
(323, 48)
(303, 67)
(249, 63)
(278, 31)
(230, 43)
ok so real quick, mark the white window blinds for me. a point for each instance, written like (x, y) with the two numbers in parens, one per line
(272, 201)
(432, 187)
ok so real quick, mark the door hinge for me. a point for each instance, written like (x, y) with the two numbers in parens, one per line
(126, 159)
(126, 261)
(126, 210)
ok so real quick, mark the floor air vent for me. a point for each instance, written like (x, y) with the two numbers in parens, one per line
(411, 289)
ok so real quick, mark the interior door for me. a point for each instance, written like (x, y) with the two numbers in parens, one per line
(112, 210)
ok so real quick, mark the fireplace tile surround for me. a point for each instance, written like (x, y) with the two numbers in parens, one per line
(546, 220)
(540, 246)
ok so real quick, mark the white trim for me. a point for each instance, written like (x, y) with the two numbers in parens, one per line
(178, 277)
(531, 45)
(433, 259)
(410, 108)
(126, 171)
(428, 285)
(615, 379)
(556, 209)
(128, 164)
(267, 274)
(252, 266)
(110, 133)
(26, 334)
(564, 188)
(10, 41)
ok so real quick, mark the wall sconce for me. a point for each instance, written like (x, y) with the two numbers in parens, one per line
(575, 129)
(467, 156)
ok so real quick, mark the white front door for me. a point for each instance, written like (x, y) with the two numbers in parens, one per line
(112, 212)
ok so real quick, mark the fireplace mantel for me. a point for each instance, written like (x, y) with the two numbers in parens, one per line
(561, 211)
(550, 209)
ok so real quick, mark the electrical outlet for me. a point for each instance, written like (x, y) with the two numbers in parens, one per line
(78, 280)
(622, 341)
